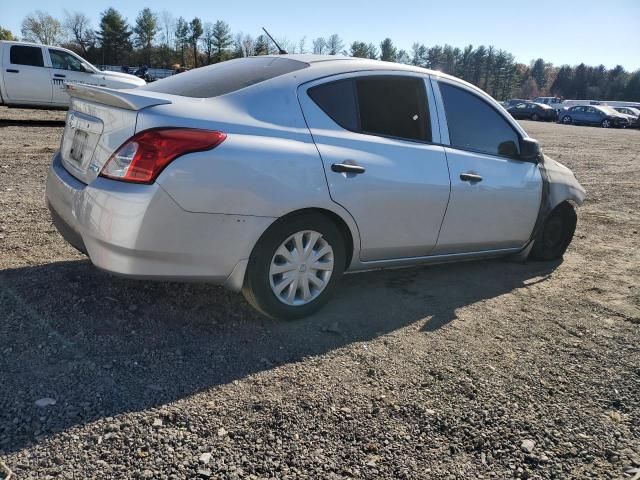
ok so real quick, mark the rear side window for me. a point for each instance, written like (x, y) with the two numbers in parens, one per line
(390, 106)
(338, 100)
(225, 77)
(476, 125)
(25, 55)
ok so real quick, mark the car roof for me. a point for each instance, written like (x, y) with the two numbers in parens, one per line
(33, 44)
(342, 63)
(327, 65)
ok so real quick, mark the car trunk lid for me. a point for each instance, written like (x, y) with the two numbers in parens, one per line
(98, 122)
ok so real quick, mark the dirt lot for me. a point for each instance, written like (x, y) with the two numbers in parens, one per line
(476, 370)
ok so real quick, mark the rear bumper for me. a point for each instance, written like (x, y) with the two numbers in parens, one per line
(139, 231)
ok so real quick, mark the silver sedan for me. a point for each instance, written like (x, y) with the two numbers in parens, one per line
(275, 174)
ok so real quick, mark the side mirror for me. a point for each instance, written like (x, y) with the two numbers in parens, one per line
(529, 150)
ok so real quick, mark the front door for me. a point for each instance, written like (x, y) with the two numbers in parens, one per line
(26, 79)
(66, 68)
(495, 198)
(374, 135)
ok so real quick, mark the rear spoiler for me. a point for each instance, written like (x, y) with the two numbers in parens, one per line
(115, 98)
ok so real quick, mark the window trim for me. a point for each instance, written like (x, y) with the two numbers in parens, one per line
(442, 117)
(429, 106)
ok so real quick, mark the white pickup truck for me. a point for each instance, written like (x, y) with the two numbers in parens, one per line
(34, 76)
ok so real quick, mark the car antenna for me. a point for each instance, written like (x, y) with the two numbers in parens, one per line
(280, 50)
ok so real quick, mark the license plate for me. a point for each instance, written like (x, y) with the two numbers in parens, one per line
(78, 146)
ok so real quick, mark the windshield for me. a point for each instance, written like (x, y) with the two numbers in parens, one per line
(608, 110)
(225, 77)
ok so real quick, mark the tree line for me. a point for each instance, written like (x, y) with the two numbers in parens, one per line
(160, 40)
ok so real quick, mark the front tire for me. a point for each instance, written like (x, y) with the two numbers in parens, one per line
(535, 117)
(567, 120)
(556, 234)
(295, 266)
(606, 123)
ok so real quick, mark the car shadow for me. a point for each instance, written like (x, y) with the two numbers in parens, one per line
(101, 345)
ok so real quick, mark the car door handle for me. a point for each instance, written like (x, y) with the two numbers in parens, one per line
(347, 168)
(59, 75)
(470, 177)
(12, 70)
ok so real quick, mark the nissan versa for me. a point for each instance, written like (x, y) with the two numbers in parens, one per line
(275, 174)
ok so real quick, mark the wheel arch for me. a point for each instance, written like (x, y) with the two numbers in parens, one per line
(343, 221)
(344, 228)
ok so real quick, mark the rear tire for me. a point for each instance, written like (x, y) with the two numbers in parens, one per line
(567, 120)
(295, 266)
(556, 234)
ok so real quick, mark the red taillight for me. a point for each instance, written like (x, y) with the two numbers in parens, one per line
(141, 158)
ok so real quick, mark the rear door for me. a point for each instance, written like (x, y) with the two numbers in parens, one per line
(381, 158)
(26, 79)
(495, 197)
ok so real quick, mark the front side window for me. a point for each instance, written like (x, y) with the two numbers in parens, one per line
(476, 125)
(65, 61)
(25, 55)
(386, 105)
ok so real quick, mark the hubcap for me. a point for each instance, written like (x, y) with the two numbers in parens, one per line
(301, 268)
(605, 124)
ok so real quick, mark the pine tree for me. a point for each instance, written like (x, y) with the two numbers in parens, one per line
(388, 51)
(114, 37)
(145, 31)
(222, 40)
(261, 46)
(182, 38)
(195, 32)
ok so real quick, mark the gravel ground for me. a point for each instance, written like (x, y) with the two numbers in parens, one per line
(478, 370)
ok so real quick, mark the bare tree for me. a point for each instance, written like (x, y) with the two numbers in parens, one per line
(302, 48)
(167, 28)
(248, 45)
(78, 27)
(41, 27)
(319, 46)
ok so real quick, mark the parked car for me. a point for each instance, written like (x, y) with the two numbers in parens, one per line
(275, 174)
(514, 101)
(34, 76)
(533, 111)
(634, 113)
(593, 115)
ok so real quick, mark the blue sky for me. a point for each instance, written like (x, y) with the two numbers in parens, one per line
(560, 31)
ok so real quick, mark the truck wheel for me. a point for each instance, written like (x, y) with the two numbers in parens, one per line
(295, 266)
(556, 234)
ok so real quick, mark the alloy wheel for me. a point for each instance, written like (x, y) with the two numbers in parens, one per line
(301, 268)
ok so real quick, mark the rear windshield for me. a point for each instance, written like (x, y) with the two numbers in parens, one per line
(225, 77)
